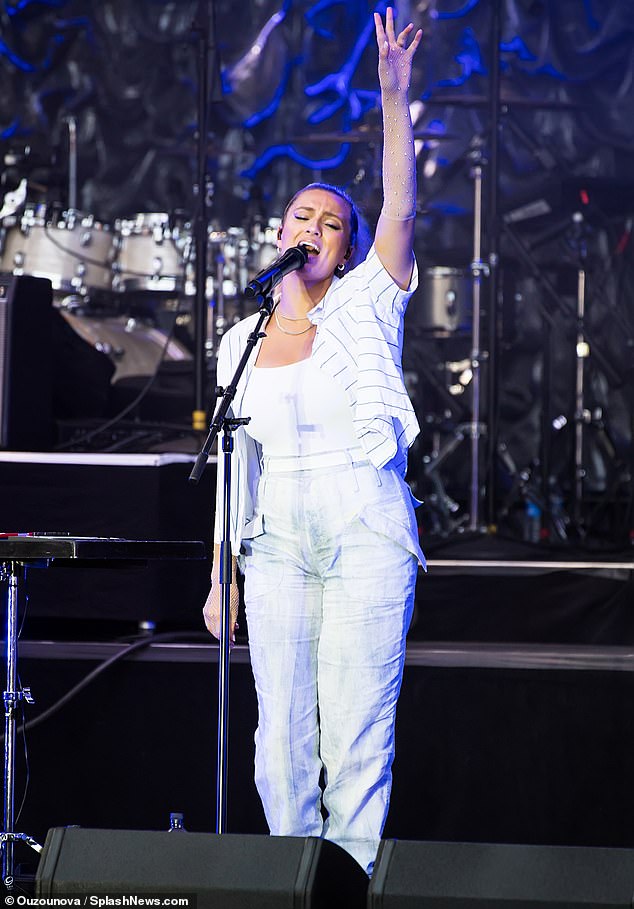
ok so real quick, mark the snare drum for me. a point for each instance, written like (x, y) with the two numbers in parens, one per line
(151, 255)
(75, 253)
(443, 304)
(228, 261)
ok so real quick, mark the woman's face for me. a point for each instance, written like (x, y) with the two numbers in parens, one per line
(319, 220)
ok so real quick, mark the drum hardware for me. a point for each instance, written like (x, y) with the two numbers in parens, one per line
(262, 247)
(446, 312)
(478, 270)
(136, 348)
(458, 375)
(235, 256)
(13, 201)
(442, 395)
(445, 508)
(228, 253)
(14, 694)
(216, 322)
(228, 258)
(71, 122)
(586, 343)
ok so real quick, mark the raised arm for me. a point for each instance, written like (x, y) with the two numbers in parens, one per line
(395, 228)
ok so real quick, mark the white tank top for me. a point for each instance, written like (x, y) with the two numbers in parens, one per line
(298, 410)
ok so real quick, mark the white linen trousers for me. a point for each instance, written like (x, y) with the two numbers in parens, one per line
(329, 596)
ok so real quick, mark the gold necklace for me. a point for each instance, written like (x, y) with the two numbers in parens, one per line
(277, 300)
(285, 331)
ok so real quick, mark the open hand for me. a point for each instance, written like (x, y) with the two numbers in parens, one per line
(395, 56)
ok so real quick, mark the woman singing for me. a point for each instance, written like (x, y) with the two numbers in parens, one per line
(322, 520)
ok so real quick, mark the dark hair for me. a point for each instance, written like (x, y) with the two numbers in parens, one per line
(337, 191)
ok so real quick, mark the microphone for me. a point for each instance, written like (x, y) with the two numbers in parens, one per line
(264, 282)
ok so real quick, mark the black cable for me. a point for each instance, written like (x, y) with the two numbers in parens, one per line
(86, 437)
(27, 765)
(106, 664)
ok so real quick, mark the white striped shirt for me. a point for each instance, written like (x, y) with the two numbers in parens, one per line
(359, 342)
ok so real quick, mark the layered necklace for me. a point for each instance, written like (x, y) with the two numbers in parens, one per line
(285, 331)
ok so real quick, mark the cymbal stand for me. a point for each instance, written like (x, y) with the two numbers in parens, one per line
(9, 572)
(473, 428)
(208, 73)
(447, 519)
(216, 325)
(72, 163)
(493, 445)
(550, 302)
(478, 269)
(582, 414)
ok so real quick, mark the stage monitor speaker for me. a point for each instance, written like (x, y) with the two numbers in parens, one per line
(26, 356)
(482, 876)
(227, 871)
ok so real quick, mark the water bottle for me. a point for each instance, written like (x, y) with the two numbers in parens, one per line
(176, 821)
(558, 515)
(532, 522)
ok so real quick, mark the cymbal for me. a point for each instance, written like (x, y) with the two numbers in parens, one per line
(364, 134)
(506, 100)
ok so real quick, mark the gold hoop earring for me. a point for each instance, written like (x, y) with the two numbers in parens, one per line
(339, 270)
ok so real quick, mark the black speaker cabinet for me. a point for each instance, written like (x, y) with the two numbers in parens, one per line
(482, 876)
(227, 871)
(26, 356)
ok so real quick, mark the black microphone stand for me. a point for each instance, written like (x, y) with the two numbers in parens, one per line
(221, 420)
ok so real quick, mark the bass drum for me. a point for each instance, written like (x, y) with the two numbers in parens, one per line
(152, 255)
(135, 348)
(443, 304)
(75, 252)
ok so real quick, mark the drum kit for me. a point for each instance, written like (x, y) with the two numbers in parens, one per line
(118, 285)
(111, 283)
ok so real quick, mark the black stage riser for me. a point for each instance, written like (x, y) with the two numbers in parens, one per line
(142, 502)
(482, 755)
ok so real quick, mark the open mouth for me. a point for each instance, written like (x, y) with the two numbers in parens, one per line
(310, 248)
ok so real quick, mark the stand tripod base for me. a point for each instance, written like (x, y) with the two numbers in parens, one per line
(6, 846)
(448, 515)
